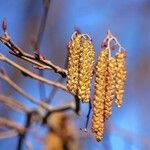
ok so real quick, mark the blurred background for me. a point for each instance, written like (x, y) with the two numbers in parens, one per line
(129, 126)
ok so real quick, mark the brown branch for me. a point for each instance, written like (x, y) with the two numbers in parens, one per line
(6, 78)
(11, 124)
(12, 103)
(31, 74)
(50, 109)
(42, 63)
(8, 134)
(35, 76)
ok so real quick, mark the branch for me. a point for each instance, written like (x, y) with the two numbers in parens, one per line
(71, 106)
(11, 124)
(6, 78)
(8, 134)
(31, 74)
(41, 63)
(46, 4)
(12, 103)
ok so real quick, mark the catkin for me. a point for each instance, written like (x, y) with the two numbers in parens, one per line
(86, 62)
(80, 66)
(73, 62)
(99, 95)
(110, 86)
(120, 77)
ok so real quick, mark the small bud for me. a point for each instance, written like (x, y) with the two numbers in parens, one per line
(77, 29)
(104, 44)
(2, 71)
(4, 25)
(38, 55)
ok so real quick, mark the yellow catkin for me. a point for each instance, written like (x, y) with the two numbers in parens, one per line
(73, 62)
(120, 77)
(110, 86)
(86, 62)
(99, 95)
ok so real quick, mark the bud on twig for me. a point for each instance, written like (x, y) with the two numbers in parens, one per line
(4, 25)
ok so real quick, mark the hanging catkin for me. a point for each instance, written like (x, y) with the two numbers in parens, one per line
(86, 61)
(120, 77)
(110, 86)
(99, 95)
(74, 48)
(80, 65)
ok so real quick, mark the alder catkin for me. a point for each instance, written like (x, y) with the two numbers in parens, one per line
(99, 95)
(110, 86)
(120, 77)
(86, 62)
(80, 65)
(73, 62)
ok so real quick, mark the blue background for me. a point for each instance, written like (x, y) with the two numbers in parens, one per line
(129, 126)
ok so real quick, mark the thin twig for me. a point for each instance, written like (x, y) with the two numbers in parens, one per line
(12, 103)
(54, 89)
(87, 118)
(31, 74)
(46, 5)
(11, 124)
(6, 78)
(42, 24)
(50, 109)
(8, 134)
(42, 63)
(66, 107)
(88, 115)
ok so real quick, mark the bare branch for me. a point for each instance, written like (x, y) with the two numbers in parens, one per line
(22, 92)
(11, 124)
(31, 74)
(42, 63)
(12, 103)
(51, 109)
(8, 134)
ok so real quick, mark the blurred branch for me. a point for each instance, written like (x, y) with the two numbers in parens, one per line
(40, 62)
(8, 134)
(54, 89)
(6, 78)
(12, 103)
(28, 144)
(46, 4)
(11, 124)
(51, 109)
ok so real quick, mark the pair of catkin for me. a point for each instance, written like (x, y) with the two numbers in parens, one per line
(80, 65)
(109, 84)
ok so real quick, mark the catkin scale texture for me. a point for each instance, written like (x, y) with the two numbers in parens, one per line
(86, 62)
(73, 62)
(80, 66)
(120, 77)
(110, 86)
(99, 95)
